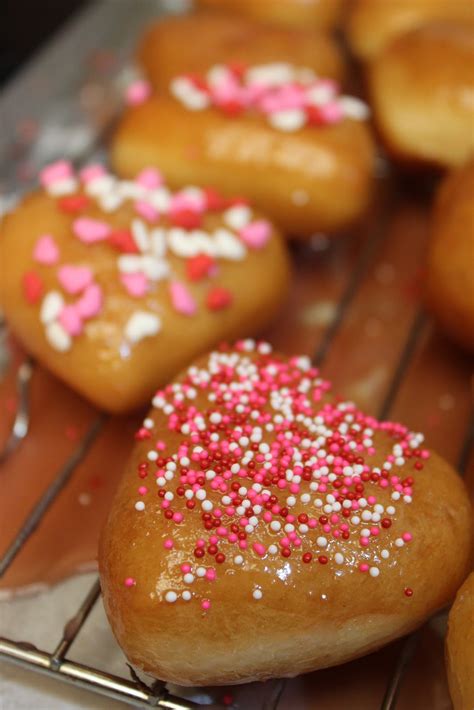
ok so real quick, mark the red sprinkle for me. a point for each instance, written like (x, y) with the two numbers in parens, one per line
(187, 219)
(73, 203)
(198, 267)
(408, 592)
(33, 286)
(218, 298)
(123, 241)
(214, 201)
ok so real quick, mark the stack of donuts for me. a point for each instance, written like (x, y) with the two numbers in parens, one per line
(264, 526)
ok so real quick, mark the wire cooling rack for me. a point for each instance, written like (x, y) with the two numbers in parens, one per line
(65, 108)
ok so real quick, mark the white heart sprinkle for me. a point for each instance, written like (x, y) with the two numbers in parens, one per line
(288, 121)
(142, 324)
(238, 217)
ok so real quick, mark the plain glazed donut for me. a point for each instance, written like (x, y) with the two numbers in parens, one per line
(116, 285)
(449, 272)
(460, 647)
(373, 24)
(264, 528)
(422, 91)
(320, 14)
(180, 44)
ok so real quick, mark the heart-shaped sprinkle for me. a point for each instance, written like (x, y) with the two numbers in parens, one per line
(90, 231)
(123, 241)
(74, 279)
(238, 217)
(218, 298)
(92, 172)
(138, 92)
(73, 203)
(46, 250)
(182, 300)
(90, 303)
(71, 320)
(187, 219)
(56, 172)
(142, 324)
(136, 284)
(147, 211)
(256, 234)
(51, 307)
(33, 287)
(150, 178)
(288, 120)
(214, 201)
(198, 267)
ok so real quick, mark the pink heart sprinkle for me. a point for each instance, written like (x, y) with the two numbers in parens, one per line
(90, 230)
(46, 250)
(74, 279)
(92, 172)
(90, 303)
(137, 93)
(331, 112)
(147, 211)
(181, 201)
(182, 300)
(61, 170)
(150, 178)
(135, 284)
(71, 320)
(256, 234)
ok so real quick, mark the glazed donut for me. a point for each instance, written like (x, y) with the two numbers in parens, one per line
(264, 528)
(422, 88)
(169, 47)
(116, 285)
(449, 273)
(460, 647)
(373, 24)
(321, 14)
(290, 142)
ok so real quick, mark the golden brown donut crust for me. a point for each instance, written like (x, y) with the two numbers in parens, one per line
(318, 179)
(196, 42)
(102, 365)
(421, 88)
(320, 14)
(311, 615)
(460, 647)
(449, 277)
(373, 24)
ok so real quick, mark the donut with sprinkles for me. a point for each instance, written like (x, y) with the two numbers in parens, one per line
(265, 527)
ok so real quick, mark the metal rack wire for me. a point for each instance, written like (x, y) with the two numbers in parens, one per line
(56, 663)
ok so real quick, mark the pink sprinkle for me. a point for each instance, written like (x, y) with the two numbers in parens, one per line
(206, 604)
(135, 284)
(211, 574)
(182, 300)
(185, 568)
(147, 211)
(130, 582)
(92, 172)
(138, 92)
(331, 112)
(256, 234)
(61, 170)
(143, 490)
(168, 543)
(178, 517)
(70, 320)
(363, 567)
(46, 250)
(90, 303)
(407, 537)
(182, 201)
(150, 178)
(74, 279)
(259, 548)
(90, 231)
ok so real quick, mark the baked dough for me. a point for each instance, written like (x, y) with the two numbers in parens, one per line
(460, 647)
(184, 43)
(373, 24)
(264, 528)
(115, 285)
(321, 14)
(450, 281)
(422, 90)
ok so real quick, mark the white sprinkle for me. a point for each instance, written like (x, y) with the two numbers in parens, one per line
(140, 505)
(257, 594)
(51, 307)
(272, 549)
(322, 541)
(171, 597)
(374, 571)
(237, 217)
(58, 337)
(148, 423)
(206, 505)
(141, 324)
(186, 595)
(238, 559)
(339, 558)
(188, 578)
(201, 571)
(399, 542)
(354, 108)
(385, 554)
(289, 120)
